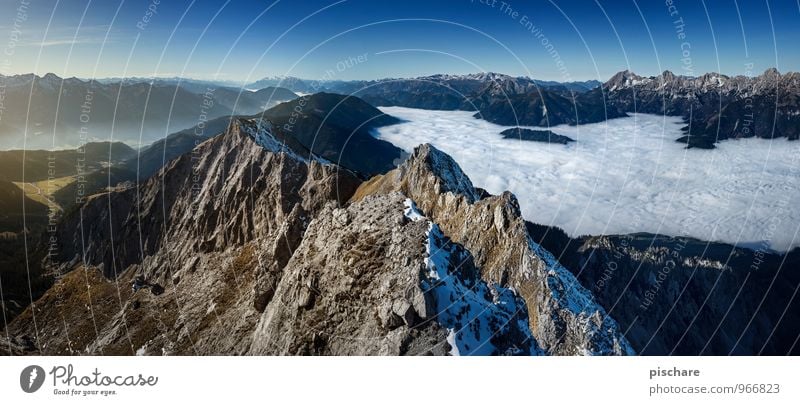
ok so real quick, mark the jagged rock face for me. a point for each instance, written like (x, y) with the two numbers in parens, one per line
(246, 248)
(227, 191)
(685, 86)
(687, 297)
(715, 106)
(563, 316)
(367, 279)
(206, 236)
(352, 287)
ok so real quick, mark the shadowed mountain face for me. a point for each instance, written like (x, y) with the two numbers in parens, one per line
(684, 296)
(154, 156)
(335, 127)
(51, 112)
(339, 129)
(13, 203)
(20, 217)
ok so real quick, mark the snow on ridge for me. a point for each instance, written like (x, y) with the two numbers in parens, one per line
(411, 211)
(261, 131)
(451, 340)
(462, 303)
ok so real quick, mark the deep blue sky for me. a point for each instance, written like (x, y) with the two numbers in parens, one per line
(402, 39)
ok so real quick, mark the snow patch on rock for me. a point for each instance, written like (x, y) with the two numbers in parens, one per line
(474, 312)
(261, 132)
(411, 211)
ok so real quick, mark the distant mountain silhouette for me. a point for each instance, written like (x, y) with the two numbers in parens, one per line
(51, 112)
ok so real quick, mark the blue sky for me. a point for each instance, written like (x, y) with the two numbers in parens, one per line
(246, 40)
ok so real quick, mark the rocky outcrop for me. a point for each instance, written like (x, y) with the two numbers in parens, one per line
(369, 279)
(563, 316)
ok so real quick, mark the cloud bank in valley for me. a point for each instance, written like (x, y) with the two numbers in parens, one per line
(625, 175)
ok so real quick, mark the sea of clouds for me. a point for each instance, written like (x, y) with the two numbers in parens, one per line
(625, 175)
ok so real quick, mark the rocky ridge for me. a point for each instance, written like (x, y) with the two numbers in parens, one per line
(563, 316)
(250, 244)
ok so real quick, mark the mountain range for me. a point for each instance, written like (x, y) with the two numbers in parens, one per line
(460, 83)
(714, 106)
(50, 112)
(293, 230)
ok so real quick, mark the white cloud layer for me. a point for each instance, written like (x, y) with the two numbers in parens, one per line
(626, 175)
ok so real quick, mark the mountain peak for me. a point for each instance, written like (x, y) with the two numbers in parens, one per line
(428, 162)
(625, 78)
(493, 230)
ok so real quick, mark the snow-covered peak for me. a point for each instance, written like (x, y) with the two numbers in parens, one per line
(622, 79)
(708, 82)
(480, 76)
